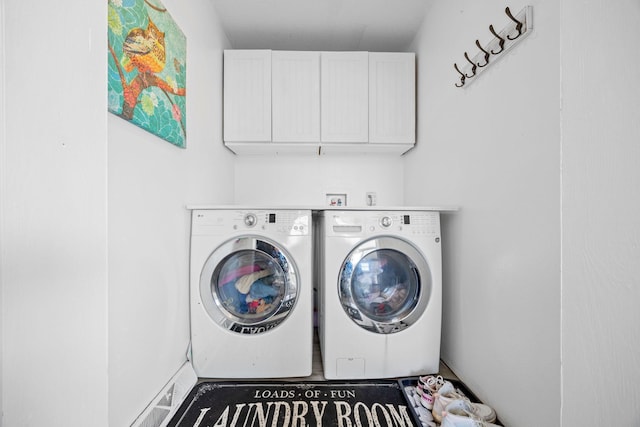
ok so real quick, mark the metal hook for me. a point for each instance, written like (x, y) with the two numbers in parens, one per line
(502, 41)
(473, 65)
(463, 77)
(486, 55)
(519, 24)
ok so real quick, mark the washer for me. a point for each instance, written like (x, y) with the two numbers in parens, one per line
(251, 293)
(380, 296)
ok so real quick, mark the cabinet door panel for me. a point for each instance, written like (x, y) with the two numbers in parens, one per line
(392, 98)
(295, 96)
(247, 95)
(344, 97)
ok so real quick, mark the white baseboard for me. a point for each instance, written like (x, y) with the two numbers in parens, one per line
(167, 402)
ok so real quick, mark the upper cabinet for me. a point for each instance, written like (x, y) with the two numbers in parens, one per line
(247, 95)
(295, 96)
(318, 102)
(345, 97)
(392, 94)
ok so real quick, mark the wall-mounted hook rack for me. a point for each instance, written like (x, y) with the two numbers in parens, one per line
(486, 55)
(520, 26)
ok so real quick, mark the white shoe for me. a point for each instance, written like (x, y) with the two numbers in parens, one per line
(431, 383)
(448, 393)
(474, 410)
(453, 420)
(424, 415)
(427, 386)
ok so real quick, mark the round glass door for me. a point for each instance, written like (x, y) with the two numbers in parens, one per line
(249, 285)
(385, 285)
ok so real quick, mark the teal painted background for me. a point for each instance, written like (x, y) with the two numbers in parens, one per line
(147, 68)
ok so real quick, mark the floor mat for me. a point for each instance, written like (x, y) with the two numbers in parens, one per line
(289, 404)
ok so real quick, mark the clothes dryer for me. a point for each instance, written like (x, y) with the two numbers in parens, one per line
(251, 293)
(380, 296)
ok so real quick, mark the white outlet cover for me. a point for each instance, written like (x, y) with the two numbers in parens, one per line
(336, 200)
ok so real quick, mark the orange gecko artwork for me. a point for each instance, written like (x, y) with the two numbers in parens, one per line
(147, 68)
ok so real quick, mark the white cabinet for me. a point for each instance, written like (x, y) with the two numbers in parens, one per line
(344, 97)
(295, 96)
(318, 102)
(247, 95)
(392, 105)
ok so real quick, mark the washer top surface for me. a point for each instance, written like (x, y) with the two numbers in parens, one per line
(318, 208)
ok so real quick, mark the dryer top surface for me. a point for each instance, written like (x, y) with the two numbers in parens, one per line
(317, 208)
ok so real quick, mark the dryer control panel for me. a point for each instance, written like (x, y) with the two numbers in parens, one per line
(364, 223)
(283, 222)
(411, 223)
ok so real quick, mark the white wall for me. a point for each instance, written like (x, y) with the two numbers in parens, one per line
(493, 148)
(94, 230)
(600, 213)
(54, 223)
(150, 183)
(294, 180)
(2, 191)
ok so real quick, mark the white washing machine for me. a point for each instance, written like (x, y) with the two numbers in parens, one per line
(251, 293)
(380, 302)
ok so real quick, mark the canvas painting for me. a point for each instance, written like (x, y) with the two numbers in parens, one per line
(147, 68)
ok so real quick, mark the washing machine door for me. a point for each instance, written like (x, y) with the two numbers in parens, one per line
(249, 285)
(385, 285)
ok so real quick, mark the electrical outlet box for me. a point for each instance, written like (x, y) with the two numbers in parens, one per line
(336, 200)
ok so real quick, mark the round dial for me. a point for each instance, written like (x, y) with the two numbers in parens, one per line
(250, 220)
(386, 221)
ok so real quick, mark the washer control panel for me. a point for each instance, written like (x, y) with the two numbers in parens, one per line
(284, 222)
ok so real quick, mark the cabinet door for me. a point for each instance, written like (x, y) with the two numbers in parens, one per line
(247, 95)
(344, 97)
(392, 105)
(295, 96)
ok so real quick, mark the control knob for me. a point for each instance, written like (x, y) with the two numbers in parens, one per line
(250, 220)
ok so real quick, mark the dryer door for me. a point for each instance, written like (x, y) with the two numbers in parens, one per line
(385, 285)
(249, 285)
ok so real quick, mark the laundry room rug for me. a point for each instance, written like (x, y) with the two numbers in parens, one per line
(294, 404)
